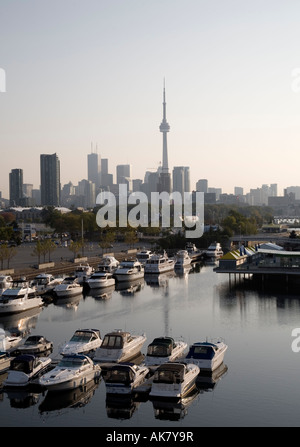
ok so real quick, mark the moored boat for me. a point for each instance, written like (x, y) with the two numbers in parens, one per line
(26, 369)
(129, 270)
(124, 378)
(45, 283)
(83, 272)
(68, 288)
(19, 297)
(174, 380)
(5, 283)
(182, 259)
(100, 279)
(214, 251)
(164, 349)
(143, 256)
(83, 341)
(194, 253)
(208, 356)
(119, 346)
(108, 264)
(71, 372)
(159, 263)
(34, 344)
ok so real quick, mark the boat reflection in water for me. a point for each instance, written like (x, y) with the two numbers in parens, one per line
(174, 410)
(23, 398)
(130, 287)
(207, 380)
(78, 397)
(121, 407)
(100, 293)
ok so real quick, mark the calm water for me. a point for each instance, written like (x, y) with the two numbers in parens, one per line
(259, 385)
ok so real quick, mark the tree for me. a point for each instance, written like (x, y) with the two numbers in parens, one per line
(75, 247)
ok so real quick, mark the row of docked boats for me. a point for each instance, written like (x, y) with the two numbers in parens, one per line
(166, 370)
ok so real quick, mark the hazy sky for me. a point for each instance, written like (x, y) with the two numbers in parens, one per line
(81, 72)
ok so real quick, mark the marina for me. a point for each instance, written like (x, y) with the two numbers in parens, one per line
(248, 388)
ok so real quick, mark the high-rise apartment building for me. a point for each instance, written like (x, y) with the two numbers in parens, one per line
(15, 187)
(50, 179)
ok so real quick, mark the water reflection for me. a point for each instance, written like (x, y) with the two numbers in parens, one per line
(173, 411)
(120, 407)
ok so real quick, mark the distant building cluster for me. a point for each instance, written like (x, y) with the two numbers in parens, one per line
(83, 195)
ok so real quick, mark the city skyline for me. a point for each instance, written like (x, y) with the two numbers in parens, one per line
(79, 73)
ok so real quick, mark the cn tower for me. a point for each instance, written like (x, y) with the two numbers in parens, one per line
(165, 179)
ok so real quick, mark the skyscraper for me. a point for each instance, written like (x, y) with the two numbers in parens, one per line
(50, 180)
(164, 178)
(15, 187)
(94, 168)
(181, 179)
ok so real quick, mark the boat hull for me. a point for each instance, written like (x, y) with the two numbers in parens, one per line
(176, 390)
(101, 284)
(120, 355)
(177, 353)
(69, 293)
(73, 382)
(19, 305)
(129, 277)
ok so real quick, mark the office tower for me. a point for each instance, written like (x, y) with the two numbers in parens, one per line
(50, 180)
(123, 172)
(164, 178)
(94, 168)
(181, 179)
(238, 191)
(202, 185)
(15, 187)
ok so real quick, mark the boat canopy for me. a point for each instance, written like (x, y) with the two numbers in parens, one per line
(161, 347)
(23, 363)
(120, 373)
(115, 340)
(202, 351)
(170, 373)
(34, 339)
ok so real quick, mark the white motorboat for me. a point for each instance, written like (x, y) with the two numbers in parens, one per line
(71, 372)
(83, 272)
(5, 282)
(182, 259)
(123, 378)
(174, 380)
(108, 264)
(214, 251)
(129, 270)
(143, 256)
(69, 287)
(84, 341)
(159, 263)
(119, 346)
(194, 253)
(19, 297)
(100, 279)
(26, 369)
(34, 344)
(208, 356)
(45, 283)
(164, 349)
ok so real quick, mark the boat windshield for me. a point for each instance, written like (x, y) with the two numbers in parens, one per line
(72, 362)
(82, 337)
(201, 352)
(169, 374)
(22, 365)
(117, 375)
(160, 348)
(32, 340)
(112, 342)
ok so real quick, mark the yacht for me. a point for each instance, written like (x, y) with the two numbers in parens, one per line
(45, 283)
(26, 369)
(194, 253)
(68, 288)
(143, 256)
(34, 344)
(108, 264)
(71, 372)
(119, 346)
(182, 259)
(83, 272)
(164, 349)
(174, 380)
(5, 358)
(5, 283)
(214, 251)
(19, 297)
(123, 378)
(84, 341)
(129, 270)
(159, 263)
(101, 279)
(208, 356)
